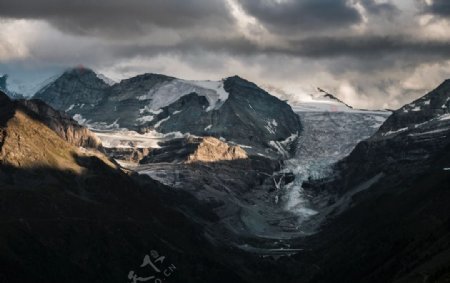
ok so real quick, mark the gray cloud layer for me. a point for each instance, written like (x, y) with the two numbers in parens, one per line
(291, 15)
(119, 17)
(439, 7)
(372, 46)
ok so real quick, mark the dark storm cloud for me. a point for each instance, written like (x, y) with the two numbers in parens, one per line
(119, 16)
(369, 46)
(370, 51)
(439, 7)
(386, 9)
(291, 15)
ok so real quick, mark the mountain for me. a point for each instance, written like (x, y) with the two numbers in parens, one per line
(327, 138)
(4, 88)
(194, 149)
(407, 142)
(384, 207)
(234, 108)
(67, 128)
(78, 87)
(322, 101)
(235, 115)
(318, 101)
(71, 214)
(225, 180)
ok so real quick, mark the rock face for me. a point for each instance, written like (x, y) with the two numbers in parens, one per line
(128, 154)
(29, 139)
(332, 97)
(67, 128)
(79, 87)
(62, 124)
(195, 149)
(406, 144)
(59, 201)
(213, 150)
(234, 109)
(249, 116)
(386, 205)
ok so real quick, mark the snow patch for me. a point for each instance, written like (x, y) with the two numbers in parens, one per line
(161, 121)
(145, 119)
(444, 106)
(280, 146)
(103, 125)
(70, 108)
(395, 132)
(444, 117)
(244, 146)
(100, 126)
(208, 128)
(106, 80)
(147, 109)
(429, 132)
(132, 139)
(169, 92)
(79, 119)
(421, 124)
(271, 126)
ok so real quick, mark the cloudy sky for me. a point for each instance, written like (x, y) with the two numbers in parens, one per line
(370, 53)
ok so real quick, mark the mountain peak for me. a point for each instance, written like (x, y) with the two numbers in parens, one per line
(328, 95)
(148, 77)
(237, 78)
(236, 81)
(432, 108)
(76, 86)
(79, 70)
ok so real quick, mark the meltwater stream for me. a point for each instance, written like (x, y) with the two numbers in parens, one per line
(258, 220)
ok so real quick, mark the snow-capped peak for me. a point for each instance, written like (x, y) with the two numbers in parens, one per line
(318, 101)
(107, 80)
(169, 92)
(326, 97)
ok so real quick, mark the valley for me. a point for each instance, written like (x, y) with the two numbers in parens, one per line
(254, 181)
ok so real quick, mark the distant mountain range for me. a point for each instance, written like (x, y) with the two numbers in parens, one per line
(233, 109)
(6, 90)
(226, 180)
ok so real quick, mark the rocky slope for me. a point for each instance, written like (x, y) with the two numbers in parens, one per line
(67, 128)
(234, 109)
(78, 87)
(405, 144)
(213, 150)
(385, 207)
(71, 215)
(194, 149)
(327, 138)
